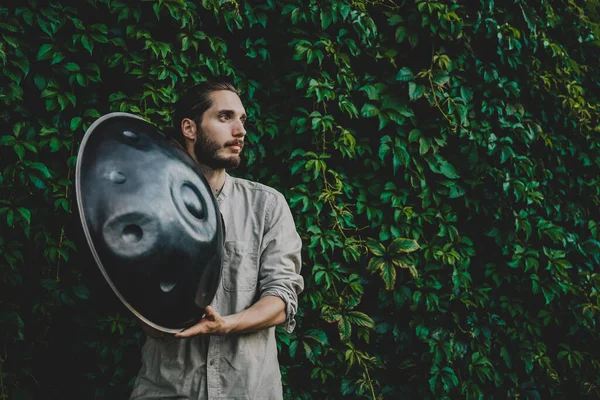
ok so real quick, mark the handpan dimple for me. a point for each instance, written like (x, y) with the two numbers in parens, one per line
(191, 200)
(168, 278)
(131, 135)
(167, 286)
(132, 233)
(117, 177)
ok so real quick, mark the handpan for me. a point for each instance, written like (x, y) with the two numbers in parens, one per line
(150, 220)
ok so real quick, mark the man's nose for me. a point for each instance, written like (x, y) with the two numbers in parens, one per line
(239, 129)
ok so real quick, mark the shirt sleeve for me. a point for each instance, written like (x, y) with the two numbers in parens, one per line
(280, 260)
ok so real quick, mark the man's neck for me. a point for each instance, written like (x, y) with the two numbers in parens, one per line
(215, 177)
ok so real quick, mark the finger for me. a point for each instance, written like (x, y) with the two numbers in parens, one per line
(209, 312)
(194, 330)
(189, 332)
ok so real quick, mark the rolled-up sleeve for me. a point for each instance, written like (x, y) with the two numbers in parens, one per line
(280, 259)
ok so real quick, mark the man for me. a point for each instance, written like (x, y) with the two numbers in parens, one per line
(231, 353)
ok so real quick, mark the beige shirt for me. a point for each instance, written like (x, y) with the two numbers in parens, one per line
(262, 257)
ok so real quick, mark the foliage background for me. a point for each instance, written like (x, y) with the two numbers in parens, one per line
(468, 127)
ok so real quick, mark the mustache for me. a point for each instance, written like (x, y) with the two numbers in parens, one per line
(237, 142)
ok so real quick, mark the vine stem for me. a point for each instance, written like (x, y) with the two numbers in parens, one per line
(58, 256)
(62, 232)
(70, 169)
(437, 104)
(455, 125)
(370, 382)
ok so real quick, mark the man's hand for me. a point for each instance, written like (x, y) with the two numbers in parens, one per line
(211, 324)
(268, 311)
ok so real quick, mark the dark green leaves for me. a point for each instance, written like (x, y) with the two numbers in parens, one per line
(44, 52)
(440, 166)
(402, 245)
(405, 74)
(469, 129)
(385, 260)
(395, 148)
(415, 91)
(81, 291)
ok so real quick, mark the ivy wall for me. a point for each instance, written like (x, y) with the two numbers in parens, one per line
(441, 160)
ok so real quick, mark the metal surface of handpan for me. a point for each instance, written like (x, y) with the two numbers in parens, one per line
(150, 220)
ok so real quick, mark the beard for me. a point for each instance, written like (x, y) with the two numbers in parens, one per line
(206, 151)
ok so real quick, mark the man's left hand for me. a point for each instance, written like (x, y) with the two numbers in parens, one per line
(211, 324)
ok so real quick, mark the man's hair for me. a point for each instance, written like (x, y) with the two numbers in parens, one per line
(194, 102)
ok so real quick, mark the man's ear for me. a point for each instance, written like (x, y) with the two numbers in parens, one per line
(188, 128)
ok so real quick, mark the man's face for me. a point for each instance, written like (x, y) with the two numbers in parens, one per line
(220, 136)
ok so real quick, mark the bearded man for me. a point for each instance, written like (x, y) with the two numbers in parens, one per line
(231, 353)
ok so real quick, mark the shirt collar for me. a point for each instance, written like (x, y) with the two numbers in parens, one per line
(226, 189)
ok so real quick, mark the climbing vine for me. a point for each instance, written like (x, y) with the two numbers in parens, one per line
(440, 158)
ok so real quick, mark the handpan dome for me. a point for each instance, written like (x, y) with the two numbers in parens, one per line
(150, 220)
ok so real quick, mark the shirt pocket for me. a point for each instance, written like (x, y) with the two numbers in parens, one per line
(240, 266)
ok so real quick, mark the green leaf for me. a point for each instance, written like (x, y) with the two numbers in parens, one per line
(373, 93)
(433, 382)
(308, 351)
(369, 110)
(49, 284)
(388, 274)
(403, 245)
(506, 357)
(75, 123)
(385, 147)
(8, 140)
(40, 82)
(360, 319)
(375, 264)
(293, 348)
(40, 167)
(325, 19)
(87, 43)
(424, 145)
(54, 144)
(72, 67)
(37, 182)
(20, 150)
(440, 166)
(415, 91)
(405, 75)
(318, 336)
(23, 65)
(375, 247)
(81, 291)
(345, 329)
(30, 147)
(25, 213)
(44, 52)
(414, 135)
(57, 57)
(64, 254)
(448, 170)
(66, 299)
